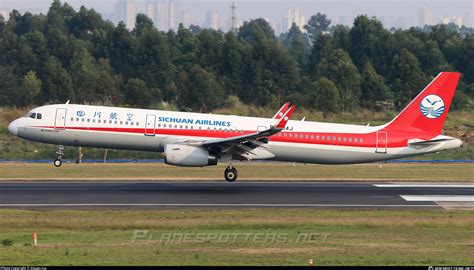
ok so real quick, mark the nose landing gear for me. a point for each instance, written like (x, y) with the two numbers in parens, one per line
(60, 153)
(230, 174)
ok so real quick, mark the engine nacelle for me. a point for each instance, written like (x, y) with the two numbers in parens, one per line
(188, 156)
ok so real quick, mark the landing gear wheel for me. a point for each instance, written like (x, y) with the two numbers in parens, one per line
(57, 163)
(60, 152)
(230, 174)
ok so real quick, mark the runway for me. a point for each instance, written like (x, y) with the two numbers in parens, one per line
(164, 195)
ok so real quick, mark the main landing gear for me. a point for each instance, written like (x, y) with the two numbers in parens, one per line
(230, 174)
(60, 153)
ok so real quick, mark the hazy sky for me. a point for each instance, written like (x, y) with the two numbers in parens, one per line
(276, 10)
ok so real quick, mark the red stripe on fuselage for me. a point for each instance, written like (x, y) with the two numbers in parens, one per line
(395, 139)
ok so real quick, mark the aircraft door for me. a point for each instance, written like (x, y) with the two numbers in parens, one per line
(381, 146)
(150, 125)
(60, 121)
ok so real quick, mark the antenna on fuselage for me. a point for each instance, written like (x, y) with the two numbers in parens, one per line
(304, 118)
(67, 102)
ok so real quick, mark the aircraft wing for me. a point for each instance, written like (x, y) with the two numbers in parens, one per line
(249, 146)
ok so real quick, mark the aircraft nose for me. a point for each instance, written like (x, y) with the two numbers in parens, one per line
(13, 127)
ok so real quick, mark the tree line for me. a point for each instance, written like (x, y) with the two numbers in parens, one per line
(77, 56)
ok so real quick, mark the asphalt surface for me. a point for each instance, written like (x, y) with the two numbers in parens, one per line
(159, 195)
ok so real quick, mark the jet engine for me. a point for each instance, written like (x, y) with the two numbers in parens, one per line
(188, 156)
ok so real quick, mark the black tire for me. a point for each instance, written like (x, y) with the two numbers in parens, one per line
(57, 163)
(230, 174)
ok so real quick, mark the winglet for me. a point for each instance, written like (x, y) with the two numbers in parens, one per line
(285, 117)
(282, 110)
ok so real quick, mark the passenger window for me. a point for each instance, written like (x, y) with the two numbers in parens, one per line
(72, 119)
(83, 120)
(361, 140)
(88, 120)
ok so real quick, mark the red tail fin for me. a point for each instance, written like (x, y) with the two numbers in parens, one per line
(427, 112)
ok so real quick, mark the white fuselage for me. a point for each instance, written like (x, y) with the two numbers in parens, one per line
(151, 130)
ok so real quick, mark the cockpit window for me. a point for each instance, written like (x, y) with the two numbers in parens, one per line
(34, 115)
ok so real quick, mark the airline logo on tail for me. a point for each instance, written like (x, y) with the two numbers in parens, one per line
(432, 106)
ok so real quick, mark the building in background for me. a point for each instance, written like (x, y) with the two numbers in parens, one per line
(150, 10)
(457, 20)
(165, 14)
(212, 20)
(293, 16)
(172, 18)
(425, 17)
(5, 14)
(125, 12)
(161, 20)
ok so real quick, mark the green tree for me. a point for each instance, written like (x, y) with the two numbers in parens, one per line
(137, 93)
(373, 87)
(465, 62)
(85, 77)
(325, 95)
(108, 84)
(8, 87)
(57, 83)
(337, 66)
(367, 39)
(199, 90)
(323, 45)
(297, 44)
(317, 24)
(407, 77)
(142, 23)
(256, 32)
(432, 59)
(30, 89)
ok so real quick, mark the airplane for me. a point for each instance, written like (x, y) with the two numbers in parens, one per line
(197, 140)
